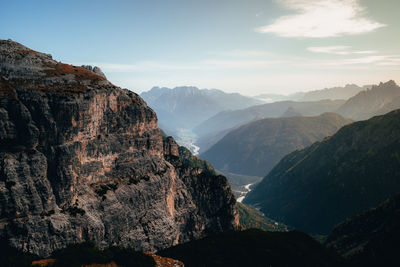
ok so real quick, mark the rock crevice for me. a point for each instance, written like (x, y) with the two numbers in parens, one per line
(81, 159)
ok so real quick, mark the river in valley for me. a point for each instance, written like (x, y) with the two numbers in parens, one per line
(244, 193)
(187, 139)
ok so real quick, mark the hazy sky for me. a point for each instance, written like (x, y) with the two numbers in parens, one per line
(251, 47)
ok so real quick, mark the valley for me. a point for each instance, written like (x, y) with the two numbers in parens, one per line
(240, 184)
(200, 133)
(244, 193)
(273, 155)
(186, 138)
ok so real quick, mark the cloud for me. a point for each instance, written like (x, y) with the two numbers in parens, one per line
(321, 18)
(237, 53)
(373, 62)
(239, 64)
(357, 61)
(338, 50)
(258, 61)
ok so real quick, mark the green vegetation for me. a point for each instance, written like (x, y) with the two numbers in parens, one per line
(371, 238)
(255, 148)
(190, 160)
(254, 248)
(315, 188)
(231, 119)
(252, 218)
(195, 162)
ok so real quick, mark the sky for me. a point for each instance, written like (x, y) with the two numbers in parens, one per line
(246, 46)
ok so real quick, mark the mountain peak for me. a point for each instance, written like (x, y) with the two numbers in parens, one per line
(84, 160)
(95, 69)
(22, 66)
(388, 83)
(378, 100)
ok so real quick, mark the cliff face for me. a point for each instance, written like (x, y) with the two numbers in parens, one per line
(81, 159)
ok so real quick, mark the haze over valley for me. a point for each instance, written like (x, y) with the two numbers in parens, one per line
(200, 133)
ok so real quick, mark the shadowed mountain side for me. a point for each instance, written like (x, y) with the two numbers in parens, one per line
(371, 238)
(254, 248)
(255, 148)
(315, 188)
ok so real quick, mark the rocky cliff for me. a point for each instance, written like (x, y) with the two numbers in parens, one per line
(81, 159)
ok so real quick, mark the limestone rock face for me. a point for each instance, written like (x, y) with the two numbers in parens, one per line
(95, 69)
(81, 159)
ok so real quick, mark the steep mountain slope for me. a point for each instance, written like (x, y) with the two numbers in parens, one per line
(372, 102)
(232, 119)
(392, 105)
(254, 248)
(371, 238)
(255, 148)
(250, 218)
(317, 187)
(81, 159)
(204, 142)
(185, 107)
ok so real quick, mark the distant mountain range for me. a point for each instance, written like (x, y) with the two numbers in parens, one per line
(185, 107)
(345, 93)
(291, 112)
(255, 148)
(231, 119)
(317, 187)
(333, 93)
(378, 100)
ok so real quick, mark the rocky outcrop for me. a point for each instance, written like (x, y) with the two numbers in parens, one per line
(95, 69)
(81, 159)
(372, 102)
